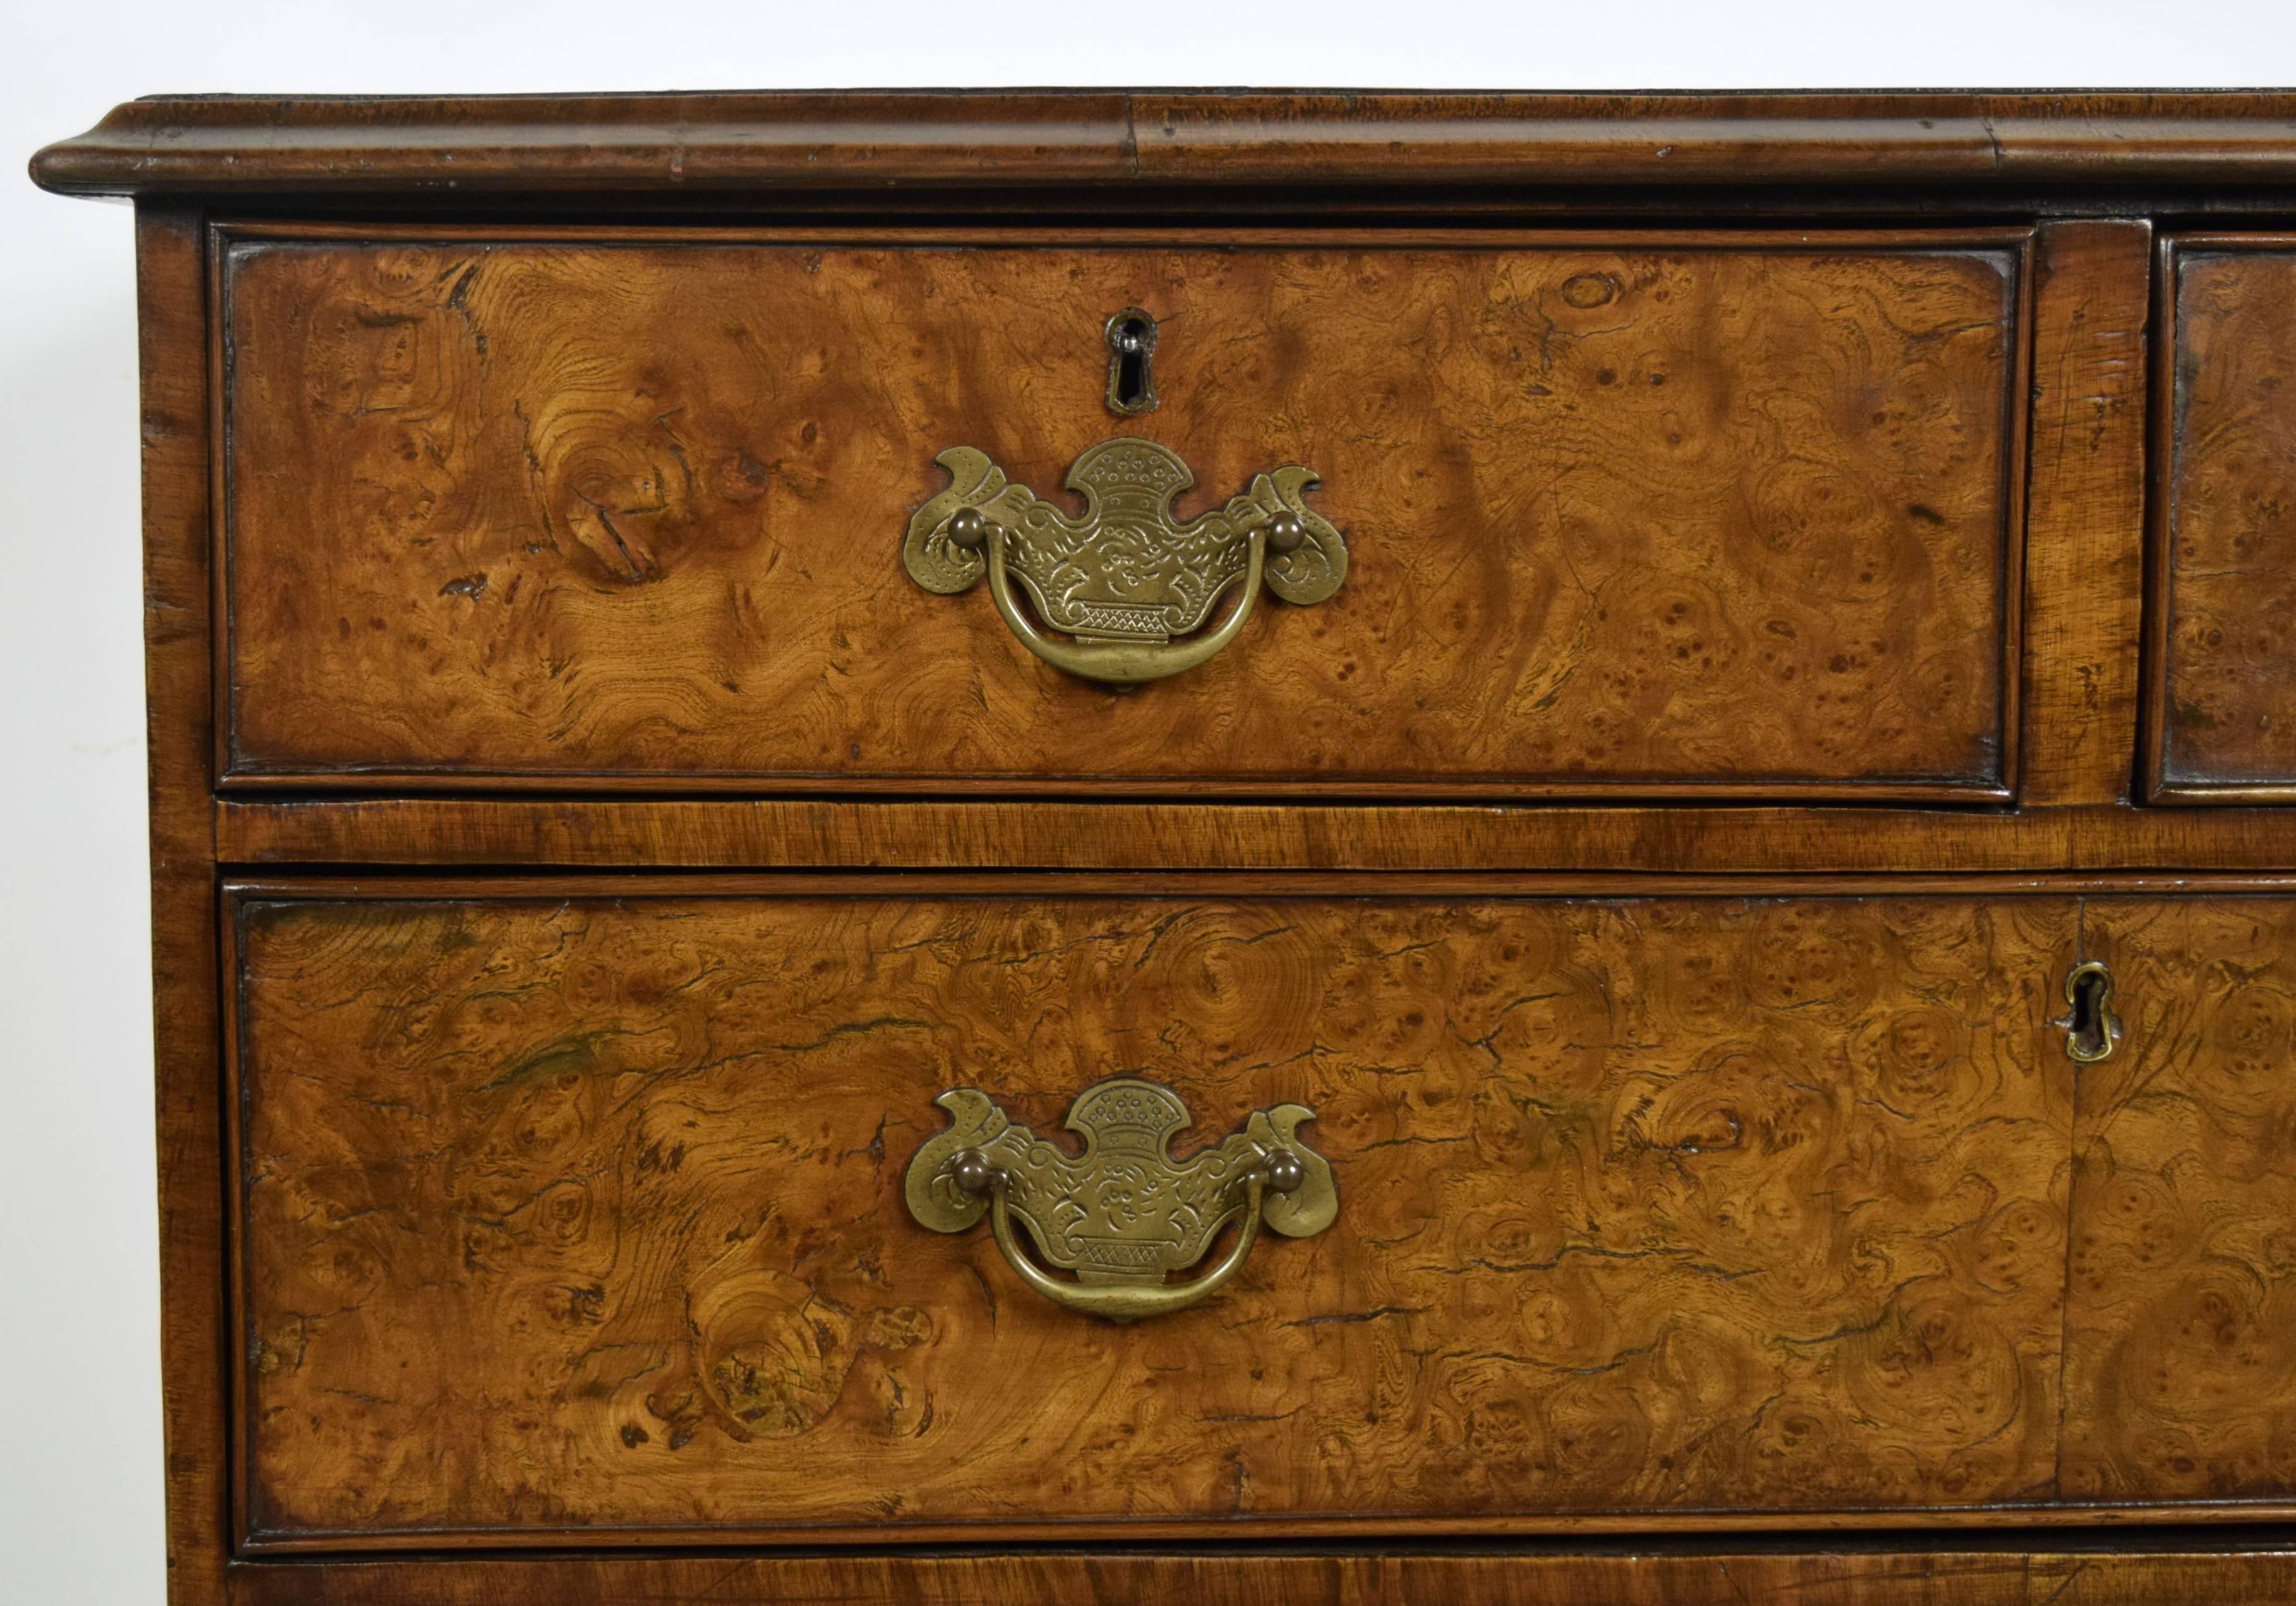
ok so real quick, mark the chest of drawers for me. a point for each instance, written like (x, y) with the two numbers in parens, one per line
(1222, 847)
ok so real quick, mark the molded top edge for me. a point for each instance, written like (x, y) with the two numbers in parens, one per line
(1021, 138)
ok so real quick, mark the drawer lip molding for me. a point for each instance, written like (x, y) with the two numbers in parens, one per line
(691, 144)
(2182, 760)
(1888, 663)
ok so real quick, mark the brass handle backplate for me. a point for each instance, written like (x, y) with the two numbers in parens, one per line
(1119, 590)
(1124, 1213)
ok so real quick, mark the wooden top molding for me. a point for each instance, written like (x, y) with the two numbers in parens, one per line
(1042, 138)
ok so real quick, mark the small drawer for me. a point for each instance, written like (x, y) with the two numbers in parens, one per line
(2221, 674)
(591, 1219)
(1707, 514)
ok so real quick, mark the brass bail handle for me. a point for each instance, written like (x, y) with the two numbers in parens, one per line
(1120, 662)
(1124, 1214)
(1117, 1302)
(1121, 593)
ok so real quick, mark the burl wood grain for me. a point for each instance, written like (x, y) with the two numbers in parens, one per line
(2181, 1348)
(566, 1215)
(1714, 515)
(2226, 715)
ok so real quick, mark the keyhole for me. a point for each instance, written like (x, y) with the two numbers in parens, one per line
(1131, 348)
(2092, 1030)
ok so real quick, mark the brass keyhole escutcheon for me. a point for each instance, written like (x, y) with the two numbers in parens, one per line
(1131, 363)
(2092, 1029)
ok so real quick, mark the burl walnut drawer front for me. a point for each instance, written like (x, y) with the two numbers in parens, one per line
(2222, 671)
(1732, 513)
(566, 1219)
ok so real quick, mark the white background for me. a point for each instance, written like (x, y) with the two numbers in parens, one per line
(80, 1402)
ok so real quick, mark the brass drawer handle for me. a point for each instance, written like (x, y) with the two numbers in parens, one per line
(1124, 1213)
(1127, 581)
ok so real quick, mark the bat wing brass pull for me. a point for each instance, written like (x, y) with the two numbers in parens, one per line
(1125, 584)
(1124, 1213)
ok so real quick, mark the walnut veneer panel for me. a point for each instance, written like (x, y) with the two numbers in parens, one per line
(741, 833)
(565, 1217)
(2181, 1349)
(2225, 694)
(1704, 512)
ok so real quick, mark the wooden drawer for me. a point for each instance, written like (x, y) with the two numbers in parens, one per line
(1715, 515)
(2222, 676)
(570, 1220)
